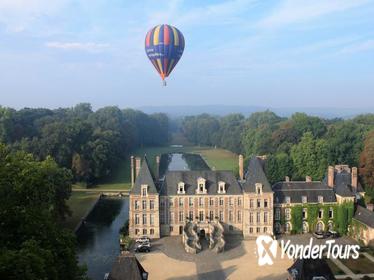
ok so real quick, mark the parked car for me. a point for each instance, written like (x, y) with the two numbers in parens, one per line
(143, 248)
(143, 239)
(320, 234)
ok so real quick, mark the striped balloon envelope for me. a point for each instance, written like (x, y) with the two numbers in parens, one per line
(164, 46)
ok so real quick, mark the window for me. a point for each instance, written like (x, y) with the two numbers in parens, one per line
(304, 199)
(331, 213)
(201, 216)
(305, 213)
(152, 231)
(258, 188)
(181, 188)
(221, 216)
(211, 201)
(201, 201)
(258, 230)
(277, 214)
(288, 227)
(151, 204)
(181, 217)
(239, 218)
(266, 217)
(265, 203)
(258, 217)
(190, 201)
(201, 187)
(231, 201)
(320, 213)
(265, 229)
(251, 203)
(230, 216)
(251, 218)
(171, 215)
(250, 230)
(162, 218)
(137, 219)
(162, 205)
(144, 204)
(220, 201)
(144, 219)
(171, 229)
(319, 227)
(144, 231)
(239, 201)
(171, 203)
(136, 204)
(190, 214)
(136, 231)
(287, 213)
(151, 219)
(305, 227)
(144, 190)
(320, 199)
(211, 215)
(180, 202)
(221, 187)
(258, 203)
(277, 227)
(288, 199)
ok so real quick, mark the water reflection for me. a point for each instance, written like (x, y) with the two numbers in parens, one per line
(181, 161)
(98, 237)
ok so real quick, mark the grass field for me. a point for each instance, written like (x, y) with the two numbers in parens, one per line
(218, 159)
(79, 203)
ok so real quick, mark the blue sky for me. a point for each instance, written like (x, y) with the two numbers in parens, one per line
(285, 53)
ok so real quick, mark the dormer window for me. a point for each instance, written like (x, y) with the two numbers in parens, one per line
(258, 188)
(288, 199)
(304, 199)
(221, 187)
(320, 199)
(144, 190)
(181, 189)
(201, 188)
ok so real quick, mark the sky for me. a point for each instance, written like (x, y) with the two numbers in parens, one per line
(285, 53)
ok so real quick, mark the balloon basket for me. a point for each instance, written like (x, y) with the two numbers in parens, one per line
(164, 83)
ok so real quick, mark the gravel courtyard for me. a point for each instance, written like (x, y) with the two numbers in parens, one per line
(168, 260)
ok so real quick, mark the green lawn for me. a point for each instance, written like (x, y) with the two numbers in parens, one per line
(218, 159)
(79, 203)
(361, 265)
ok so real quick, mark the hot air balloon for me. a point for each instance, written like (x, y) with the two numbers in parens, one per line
(164, 45)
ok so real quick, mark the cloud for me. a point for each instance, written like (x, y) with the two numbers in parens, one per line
(77, 46)
(18, 15)
(358, 47)
(296, 11)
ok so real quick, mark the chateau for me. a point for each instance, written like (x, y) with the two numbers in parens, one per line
(248, 205)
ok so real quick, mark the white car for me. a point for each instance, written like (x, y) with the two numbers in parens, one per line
(143, 239)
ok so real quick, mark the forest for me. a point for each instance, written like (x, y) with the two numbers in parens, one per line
(297, 146)
(89, 143)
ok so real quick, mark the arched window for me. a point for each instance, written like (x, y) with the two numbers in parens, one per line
(288, 227)
(330, 226)
(277, 227)
(319, 227)
(305, 227)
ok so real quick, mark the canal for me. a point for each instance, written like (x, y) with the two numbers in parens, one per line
(98, 245)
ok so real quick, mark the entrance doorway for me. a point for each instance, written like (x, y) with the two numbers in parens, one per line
(180, 229)
(202, 233)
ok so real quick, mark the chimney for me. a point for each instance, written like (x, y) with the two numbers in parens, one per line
(241, 167)
(137, 165)
(308, 179)
(370, 206)
(132, 163)
(354, 178)
(157, 167)
(330, 176)
(287, 179)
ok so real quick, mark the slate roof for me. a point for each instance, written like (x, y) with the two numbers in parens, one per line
(189, 178)
(307, 269)
(127, 267)
(255, 174)
(342, 184)
(145, 177)
(365, 216)
(295, 190)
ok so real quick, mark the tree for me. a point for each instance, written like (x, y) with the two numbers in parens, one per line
(310, 157)
(367, 161)
(33, 244)
(278, 166)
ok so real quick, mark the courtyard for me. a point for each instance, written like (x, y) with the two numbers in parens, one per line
(168, 260)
